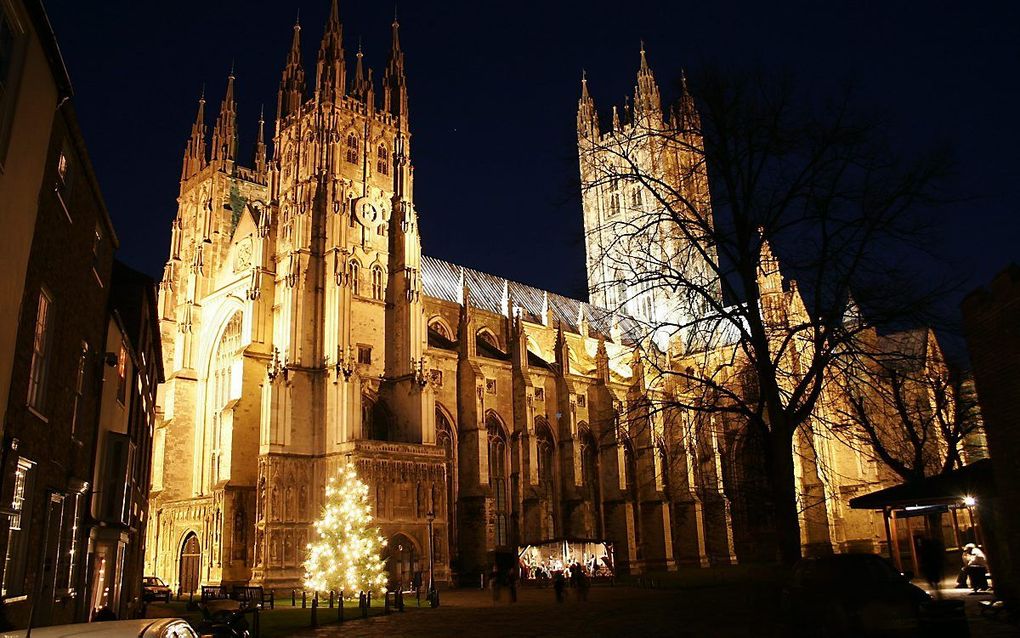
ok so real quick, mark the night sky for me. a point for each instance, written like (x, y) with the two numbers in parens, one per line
(493, 91)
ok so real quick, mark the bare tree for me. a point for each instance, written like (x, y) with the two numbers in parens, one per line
(902, 405)
(683, 211)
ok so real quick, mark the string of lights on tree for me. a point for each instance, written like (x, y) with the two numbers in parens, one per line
(346, 557)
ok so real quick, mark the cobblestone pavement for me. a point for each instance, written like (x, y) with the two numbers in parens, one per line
(619, 611)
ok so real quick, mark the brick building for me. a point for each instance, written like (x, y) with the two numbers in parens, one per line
(991, 317)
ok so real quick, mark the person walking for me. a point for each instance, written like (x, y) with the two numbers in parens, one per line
(559, 584)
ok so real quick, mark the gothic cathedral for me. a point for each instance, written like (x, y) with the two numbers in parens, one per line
(303, 328)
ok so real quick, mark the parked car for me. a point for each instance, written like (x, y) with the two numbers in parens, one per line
(154, 588)
(141, 628)
(852, 595)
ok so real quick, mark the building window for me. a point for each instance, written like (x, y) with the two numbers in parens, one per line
(64, 168)
(158, 449)
(498, 481)
(352, 148)
(40, 352)
(97, 241)
(546, 482)
(383, 160)
(68, 560)
(540, 394)
(582, 400)
(79, 384)
(17, 539)
(490, 386)
(355, 278)
(122, 375)
(377, 283)
(365, 354)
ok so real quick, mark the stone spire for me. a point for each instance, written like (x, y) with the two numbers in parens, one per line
(395, 80)
(587, 121)
(292, 85)
(194, 151)
(647, 101)
(224, 137)
(331, 71)
(260, 144)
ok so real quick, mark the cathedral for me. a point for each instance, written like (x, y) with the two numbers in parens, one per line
(303, 328)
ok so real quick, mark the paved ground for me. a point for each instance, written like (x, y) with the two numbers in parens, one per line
(619, 611)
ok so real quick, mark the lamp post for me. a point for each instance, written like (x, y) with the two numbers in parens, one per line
(433, 596)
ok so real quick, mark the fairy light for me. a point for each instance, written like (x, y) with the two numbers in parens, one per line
(346, 556)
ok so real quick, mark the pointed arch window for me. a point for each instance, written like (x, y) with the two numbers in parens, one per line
(498, 480)
(377, 283)
(352, 148)
(355, 278)
(383, 160)
(546, 476)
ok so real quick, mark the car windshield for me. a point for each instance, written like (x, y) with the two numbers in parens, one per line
(151, 580)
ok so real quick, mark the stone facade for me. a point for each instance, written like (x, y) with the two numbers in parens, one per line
(302, 327)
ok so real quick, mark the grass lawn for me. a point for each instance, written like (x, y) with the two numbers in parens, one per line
(284, 619)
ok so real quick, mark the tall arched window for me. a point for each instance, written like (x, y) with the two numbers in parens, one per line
(546, 481)
(352, 148)
(355, 278)
(446, 440)
(440, 328)
(590, 474)
(223, 386)
(377, 283)
(498, 479)
(383, 160)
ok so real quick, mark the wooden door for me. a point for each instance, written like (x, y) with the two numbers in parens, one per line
(191, 558)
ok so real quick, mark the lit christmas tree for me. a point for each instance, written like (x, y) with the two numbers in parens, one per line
(346, 556)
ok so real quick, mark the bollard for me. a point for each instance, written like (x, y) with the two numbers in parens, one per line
(293, 601)
(315, 610)
(368, 602)
(257, 626)
(386, 603)
(417, 594)
(331, 599)
(361, 605)
(481, 581)
(191, 597)
(400, 600)
(340, 608)
(304, 599)
(272, 599)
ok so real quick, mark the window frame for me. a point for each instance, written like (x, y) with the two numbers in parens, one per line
(42, 348)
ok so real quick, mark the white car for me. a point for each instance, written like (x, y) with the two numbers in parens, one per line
(141, 628)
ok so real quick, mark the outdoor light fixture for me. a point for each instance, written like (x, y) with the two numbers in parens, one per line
(969, 501)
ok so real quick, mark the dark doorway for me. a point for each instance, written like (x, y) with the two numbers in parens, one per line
(402, 561)
(191, 557)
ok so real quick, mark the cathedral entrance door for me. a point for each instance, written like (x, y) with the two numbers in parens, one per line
(191, 558)
(401, 561)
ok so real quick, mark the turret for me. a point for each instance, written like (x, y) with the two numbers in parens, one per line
(587, 120)
(224, 138)
(194, 151)
(395, 80)
(685, 115)
(292, 85)
(647, 102)
(360, 86)
(331, 71)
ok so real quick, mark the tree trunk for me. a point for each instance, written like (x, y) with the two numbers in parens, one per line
(784, 496)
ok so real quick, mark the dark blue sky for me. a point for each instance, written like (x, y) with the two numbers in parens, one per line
(493, 90)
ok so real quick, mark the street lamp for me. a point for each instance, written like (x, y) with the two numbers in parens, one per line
(432, 594)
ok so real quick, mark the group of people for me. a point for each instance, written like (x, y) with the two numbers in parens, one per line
(546, 571)
(975, 568)
(931, 554)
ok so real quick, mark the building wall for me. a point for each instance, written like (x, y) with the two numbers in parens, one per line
(990, 318)
(56, 438)
(26, 117)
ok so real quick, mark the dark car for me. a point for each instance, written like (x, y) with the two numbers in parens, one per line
(155, 589)
(852, 595)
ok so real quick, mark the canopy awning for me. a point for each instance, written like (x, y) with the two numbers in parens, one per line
(975, 480)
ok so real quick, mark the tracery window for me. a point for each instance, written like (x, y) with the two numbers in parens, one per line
(377, 283)
(498, 480)
(352, 148)
(589, 471)
(355, 278)
(383, 160)
(225, 366)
